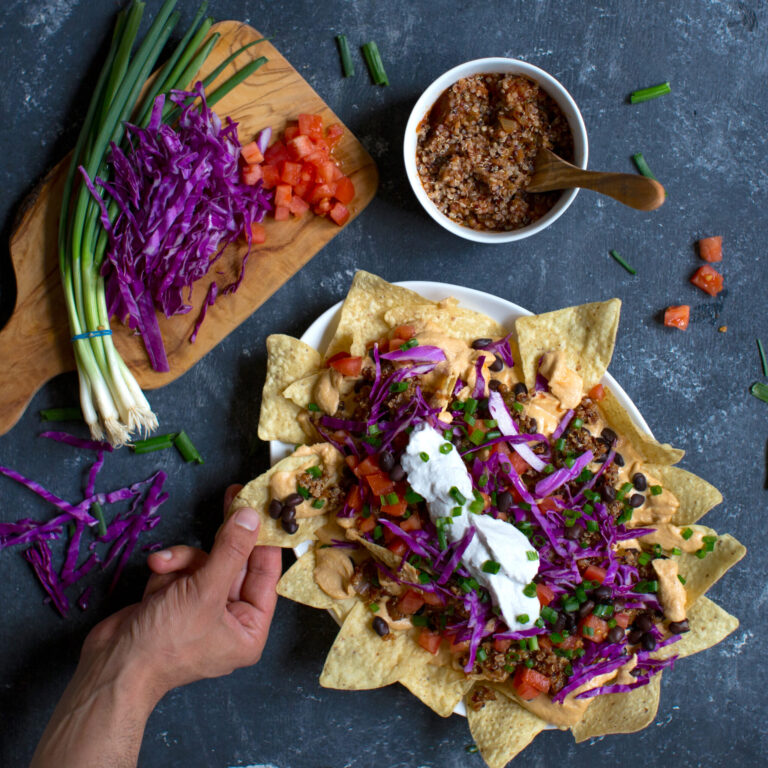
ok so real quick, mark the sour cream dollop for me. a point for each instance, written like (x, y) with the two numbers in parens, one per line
(434, 474)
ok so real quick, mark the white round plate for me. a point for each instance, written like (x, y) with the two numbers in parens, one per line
(502, 311)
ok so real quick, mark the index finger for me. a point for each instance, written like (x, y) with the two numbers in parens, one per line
(233, 545)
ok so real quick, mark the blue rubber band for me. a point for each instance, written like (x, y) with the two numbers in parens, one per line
(92, 334)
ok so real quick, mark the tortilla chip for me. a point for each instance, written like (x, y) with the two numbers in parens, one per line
(441, 688)
(362, 314)
(385, 556)
(696, 496)
(288, 359)
(298, 584)
(709, 625)
(650, 449)
(360, 660)
(586, 334)
(620, 712)
(302, 390)
(700, 575)
(455, 321)
(256, 495)
(502, 729)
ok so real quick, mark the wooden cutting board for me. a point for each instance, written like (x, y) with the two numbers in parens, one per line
(35, 345)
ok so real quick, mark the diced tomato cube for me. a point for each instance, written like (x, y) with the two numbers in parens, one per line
(283, 195)
(300, 189)
(708, 279)
(545, 594)
(568, 643)
(345, 190)
(677, 317)
(348, 366)
(282, 213)
(455, 645)
(299, 147)
(297, 206)
(323, 207)
(308, 172)
(251, 153)
(396, 510)
(501, 644)
(251, 174)
(368, 466)
(597, 393)
(276, 153)
(354, 498)
(593, 628)
(366, 524)
(291, 131)
(550, 503)
(519, 463)
(711, 248)
(380, 483)
(352, 462)
(333, 134)
(258, 233)
(528, 683)
(413, 523)
(271, 176)
(410, 602)
(623, 620)
(433, 598)
(339, 213)
(311, 125)
(398, 546)
(321, 145)
(594, 573)
(290, 173)
(321, 192)
(404, 332)
(430, 641)
(328, 172)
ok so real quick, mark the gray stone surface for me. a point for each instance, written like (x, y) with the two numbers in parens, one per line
(706, 143)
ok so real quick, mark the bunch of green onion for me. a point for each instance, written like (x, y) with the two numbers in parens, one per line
(112, 402)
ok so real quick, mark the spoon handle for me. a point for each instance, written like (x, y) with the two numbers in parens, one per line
(639, 192)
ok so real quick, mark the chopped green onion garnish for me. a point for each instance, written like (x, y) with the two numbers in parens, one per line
(456, 511)
(549, 469)
(556, 638)
(476, 507)
(186, 448)
(625, 516)
(603, 611)
(424, 456)
(446, 448)
(62, 414)
(592, 526)
(686, 533)
(491, 423)
(398, 386)
(676, 551)
(315, 471)
(157, 443)
(410, 344)
(377, 532)
(588, 631)
(313, 407)
(523, 618)
(492, 434)
(347, 67)
(569, 462)
(538, 623)
(477, 436)
(646, 586)
(366, 511)
(571, 604)
(424, 578)
(529, 663)
(642, 166)
(318, 503)
(419, 621)
(701, 553)
(617, 257)
(457, 495)
(482, 654)
(302, 491)
(624, 490)
(373, 607)
(532, 555)
(585, 476)
(518, 407)
(560, 444)
(491, 566)
(656, 490)
(470, 406)
(482, 481)
(529, 590)
(681, 578)
(760, 391)
(392, 498)
(763, 362)
(577, 424)
(412, 497)
(646, 94)
(644, 558)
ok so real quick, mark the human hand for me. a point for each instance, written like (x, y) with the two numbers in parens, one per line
(203, 615)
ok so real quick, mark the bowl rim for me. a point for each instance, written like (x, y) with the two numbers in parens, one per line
(494, 64)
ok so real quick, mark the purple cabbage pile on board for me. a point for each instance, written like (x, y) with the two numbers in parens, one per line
(180, 201)
(121, 534)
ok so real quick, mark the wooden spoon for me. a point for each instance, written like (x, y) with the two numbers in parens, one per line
(552, 172)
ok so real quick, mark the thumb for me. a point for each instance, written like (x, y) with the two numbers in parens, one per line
(234, 543)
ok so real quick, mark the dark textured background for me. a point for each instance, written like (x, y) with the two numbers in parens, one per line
(707, 144)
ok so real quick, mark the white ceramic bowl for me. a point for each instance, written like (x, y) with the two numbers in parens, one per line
(508, 66)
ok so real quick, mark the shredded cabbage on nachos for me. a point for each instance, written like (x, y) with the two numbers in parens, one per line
(486, 521)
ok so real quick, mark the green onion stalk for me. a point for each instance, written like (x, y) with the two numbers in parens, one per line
(113, 405)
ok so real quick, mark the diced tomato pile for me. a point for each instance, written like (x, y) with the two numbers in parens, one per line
(300, 168)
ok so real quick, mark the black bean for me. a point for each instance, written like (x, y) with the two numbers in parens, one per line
(602, 593)
(643, 622)
(494, 385)
(520, 388)
(288, 513)
(648, 641)
(275, 509)
(608, 435)
(481, 343)
(616, 635)
(678, 627)
(560, 622)
(386, 461)
(534, 425)
(290, 526)
(293, 500)
(609, 492)
(570, 622)
(634, 637)
(586, 608)
(497, 365)
(504, 501)
(636, 500)
(380, 626)
(639, 481)
(618, 460)
(572, 532)
(397, 473)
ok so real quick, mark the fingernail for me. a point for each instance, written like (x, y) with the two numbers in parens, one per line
(247, 518)
(165, 554)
